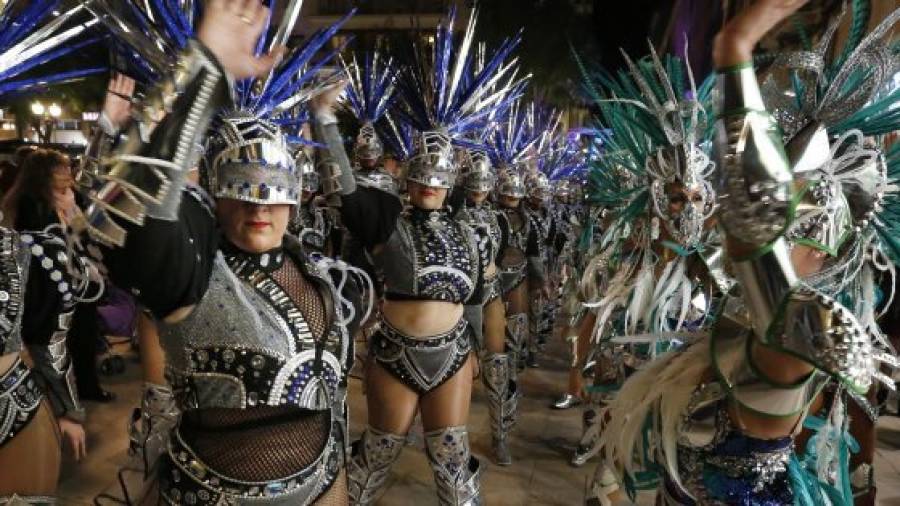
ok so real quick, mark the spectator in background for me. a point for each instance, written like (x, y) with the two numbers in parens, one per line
(11, 172)
(43, 195)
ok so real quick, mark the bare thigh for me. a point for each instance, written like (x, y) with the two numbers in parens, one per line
(30, 462)
(391, 404)
(448, 404)
(517, 300)
(495, 326)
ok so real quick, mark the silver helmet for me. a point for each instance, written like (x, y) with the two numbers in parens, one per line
(432, 161)
(477, 172)
(511, 183)
(563, 190)
(368, 146)
(537, 185)
(249, 160)
(306, 169)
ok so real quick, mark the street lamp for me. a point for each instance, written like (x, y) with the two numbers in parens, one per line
(45, 118)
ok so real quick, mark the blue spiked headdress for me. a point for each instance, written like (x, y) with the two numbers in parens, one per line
(35, 32)
(448, 93)
(516, 144)
(398, 136)
(248, 154)
(370, 93)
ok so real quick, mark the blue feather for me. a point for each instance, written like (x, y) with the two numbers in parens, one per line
(24, 84)
(445, 92)
(23, 25)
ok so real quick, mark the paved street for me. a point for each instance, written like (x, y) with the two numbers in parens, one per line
(541, 446)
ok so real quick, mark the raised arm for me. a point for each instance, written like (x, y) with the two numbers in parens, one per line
(798, 328)
(155, 246)
(369, 214)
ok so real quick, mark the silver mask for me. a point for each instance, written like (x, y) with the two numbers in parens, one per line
(251, 162)
(432, 162)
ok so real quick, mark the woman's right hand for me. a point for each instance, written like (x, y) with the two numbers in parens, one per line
(117, 105)
(735, 42)
(73, 433)
(230, 29)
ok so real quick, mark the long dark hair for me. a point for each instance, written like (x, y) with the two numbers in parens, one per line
(34, 185)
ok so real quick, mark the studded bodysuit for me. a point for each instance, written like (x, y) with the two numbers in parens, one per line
(423, 255)
(258, 366)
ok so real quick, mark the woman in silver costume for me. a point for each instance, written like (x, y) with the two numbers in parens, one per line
(724, 411)
(421, 356)
(313, 222)
(513, 148)
(487, 315)
(256, 334)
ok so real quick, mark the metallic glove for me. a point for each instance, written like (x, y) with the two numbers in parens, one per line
(150, 169)
(754, 182)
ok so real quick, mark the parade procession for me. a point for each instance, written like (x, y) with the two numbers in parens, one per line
(449, 252)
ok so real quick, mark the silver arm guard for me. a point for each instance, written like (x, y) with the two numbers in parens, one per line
(755, 183)
(150, 170)
(754, 180)
(334, 170)
(54, 368)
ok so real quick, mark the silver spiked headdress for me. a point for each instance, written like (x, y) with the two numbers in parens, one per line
(370, 93)
(443, 99)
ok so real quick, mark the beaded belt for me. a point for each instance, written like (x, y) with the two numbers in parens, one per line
(185, 479)
(422, 364)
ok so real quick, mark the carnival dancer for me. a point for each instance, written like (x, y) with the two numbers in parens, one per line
(256, 334)
(537, 189)
(845, 131)
(371, 91)
(313, 222)
(421, 357)
(511, 145)
(725, 410)
(572, 243)
(487, 315)
(652, 289)
(41, 280)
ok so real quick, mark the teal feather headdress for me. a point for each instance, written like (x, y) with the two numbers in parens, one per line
(660, 127)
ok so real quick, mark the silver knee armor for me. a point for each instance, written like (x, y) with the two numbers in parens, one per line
(502, 394)
(516, 332)
(457, 473)
(151, 425)
(370, 463)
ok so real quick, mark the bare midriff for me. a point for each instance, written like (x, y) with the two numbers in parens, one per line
(422, 318)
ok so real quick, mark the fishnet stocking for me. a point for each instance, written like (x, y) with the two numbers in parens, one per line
(259, 444)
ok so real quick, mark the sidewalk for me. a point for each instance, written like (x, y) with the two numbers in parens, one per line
(541, 446)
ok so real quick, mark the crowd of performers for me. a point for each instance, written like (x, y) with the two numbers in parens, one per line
(716, 252)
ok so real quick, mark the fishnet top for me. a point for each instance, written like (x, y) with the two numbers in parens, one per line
(265, 443)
